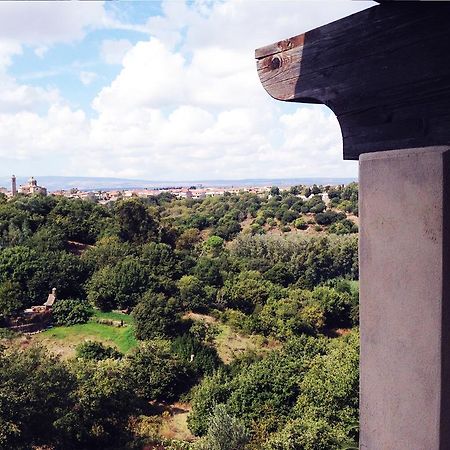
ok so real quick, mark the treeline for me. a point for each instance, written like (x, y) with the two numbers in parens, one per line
(299, 207)
(160, 259)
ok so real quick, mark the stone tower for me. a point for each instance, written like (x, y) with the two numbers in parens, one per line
(13, 185)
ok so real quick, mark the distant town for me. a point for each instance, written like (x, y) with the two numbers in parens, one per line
(106, 196)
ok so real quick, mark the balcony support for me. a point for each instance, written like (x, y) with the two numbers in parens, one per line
(405, 299)
(385, 73)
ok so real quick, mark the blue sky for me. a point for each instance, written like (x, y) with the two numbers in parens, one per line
(158, 90)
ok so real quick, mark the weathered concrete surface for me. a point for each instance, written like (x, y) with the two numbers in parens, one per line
(405, 290)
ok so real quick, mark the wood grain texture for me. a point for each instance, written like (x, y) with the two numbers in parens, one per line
(385, 73)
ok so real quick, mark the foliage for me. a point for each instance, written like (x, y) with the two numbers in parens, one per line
(104, 401)
(71, 312)
(155, 316)
(136, 223)
(243, 259)
(157, 373)
(35, 392)
(192, 293)
(203, 359)
(93, 350)
(118, 286)
(11, 299)
(225, 432)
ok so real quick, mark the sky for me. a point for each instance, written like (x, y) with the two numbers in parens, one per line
(158, 91)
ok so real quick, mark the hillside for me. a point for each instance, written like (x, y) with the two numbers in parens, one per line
(177, 320)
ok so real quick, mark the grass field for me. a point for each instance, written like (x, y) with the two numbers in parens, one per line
(64, 340)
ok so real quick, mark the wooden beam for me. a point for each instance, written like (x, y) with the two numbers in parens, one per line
(384, 72)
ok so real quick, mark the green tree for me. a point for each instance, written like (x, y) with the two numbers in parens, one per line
(192, 293)
(213, 245)
(71, 312)
(156, 373)
(225, 432)
(92, 350)
(35, 392)
(119, 286)
(136, 224)
(104, 401)
(11, 299)
(155, 316)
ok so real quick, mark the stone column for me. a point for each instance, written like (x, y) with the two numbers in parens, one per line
(405, 299)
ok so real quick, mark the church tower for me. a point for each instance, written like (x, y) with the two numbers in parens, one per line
(13, 185)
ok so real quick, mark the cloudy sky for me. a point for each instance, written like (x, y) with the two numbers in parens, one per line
(158, 91)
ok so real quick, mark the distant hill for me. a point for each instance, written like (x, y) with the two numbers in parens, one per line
(54, 183)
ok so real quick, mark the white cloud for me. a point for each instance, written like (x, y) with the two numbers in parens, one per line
(44, 23)
(87, 77)
(59, 131)
(151, 77)
(187, 102)
(112, 51)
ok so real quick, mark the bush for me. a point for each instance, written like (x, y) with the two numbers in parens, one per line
(71, 312)
(329, 217)
(158, 374)
(345, 226)
(225, 432)
(92, 350)
(205, 359)
(300, 224)
(155, 316)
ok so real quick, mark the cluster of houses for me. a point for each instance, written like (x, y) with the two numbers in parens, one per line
(104, 197)
(107, 196)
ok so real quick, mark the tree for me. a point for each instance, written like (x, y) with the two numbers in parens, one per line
(225, 432)
(336, 305)
(104, 401)
(203, 359)
(119, 286)
(92, 350)
(274, 190)
(35, 392)
(188, 239)
(192, 293)
(246, 291)
(208, 270)
(155, 316)
(156, 373)
(71, 312)
(11, 299)
(136, 224)
(212, 390)
(213, 245)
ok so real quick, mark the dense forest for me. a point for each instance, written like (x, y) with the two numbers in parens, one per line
(279, 270)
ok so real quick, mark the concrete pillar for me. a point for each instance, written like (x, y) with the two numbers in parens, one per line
(405, 299)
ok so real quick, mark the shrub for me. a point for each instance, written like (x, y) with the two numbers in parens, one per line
(329, 217)
(96, 351)
(205, 359)
(155, 316)
(158, 374)
(300, 224)
(225, 432)
(71, 312)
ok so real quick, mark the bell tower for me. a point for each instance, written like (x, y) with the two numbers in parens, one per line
(13, 186)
